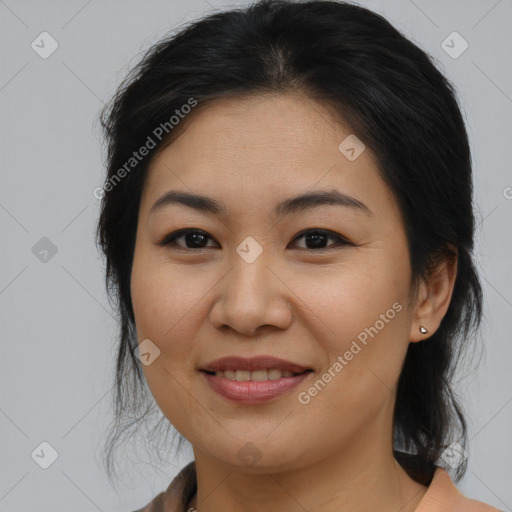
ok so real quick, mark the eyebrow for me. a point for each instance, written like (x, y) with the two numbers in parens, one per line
(289, 206)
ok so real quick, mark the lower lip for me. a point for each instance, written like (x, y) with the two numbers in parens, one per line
(251, 391)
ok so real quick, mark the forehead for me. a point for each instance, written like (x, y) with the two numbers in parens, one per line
(265, 146)
(290, 125)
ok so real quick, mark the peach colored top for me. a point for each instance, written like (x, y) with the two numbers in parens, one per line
(441, 495)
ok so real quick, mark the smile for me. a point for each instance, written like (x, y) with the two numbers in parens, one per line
(257, 375)
(256, 387)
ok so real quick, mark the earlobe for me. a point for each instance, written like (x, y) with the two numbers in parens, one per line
(434, 297)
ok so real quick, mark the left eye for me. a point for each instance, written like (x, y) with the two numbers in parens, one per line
(197, 239)
(317, 238)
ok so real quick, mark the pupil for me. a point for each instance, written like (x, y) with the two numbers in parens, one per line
(195, 238)
(317, 239)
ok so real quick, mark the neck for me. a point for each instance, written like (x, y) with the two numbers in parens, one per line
(363, 477)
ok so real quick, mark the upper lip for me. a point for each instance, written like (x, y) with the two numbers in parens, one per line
(252, 364)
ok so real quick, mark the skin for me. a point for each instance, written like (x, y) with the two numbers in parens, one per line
(196, 305)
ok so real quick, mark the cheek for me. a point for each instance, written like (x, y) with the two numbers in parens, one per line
(163, 302)
(361, 316)
(164, 298)
(345, 299)
(171, 306)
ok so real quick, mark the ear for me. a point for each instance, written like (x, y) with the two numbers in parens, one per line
(434, 295)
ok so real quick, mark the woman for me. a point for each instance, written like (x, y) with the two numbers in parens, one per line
(288, 225)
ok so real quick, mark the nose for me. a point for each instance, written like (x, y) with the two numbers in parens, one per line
(253, 296)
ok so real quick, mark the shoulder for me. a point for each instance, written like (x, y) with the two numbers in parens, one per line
(176, 497)
(443, 496)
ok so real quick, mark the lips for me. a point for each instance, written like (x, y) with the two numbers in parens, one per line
(253, 380)
(253, 364)
(255, 375)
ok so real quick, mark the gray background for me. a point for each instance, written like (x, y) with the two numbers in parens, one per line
(57, 328)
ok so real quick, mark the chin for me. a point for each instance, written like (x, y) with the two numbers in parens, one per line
(259, 456)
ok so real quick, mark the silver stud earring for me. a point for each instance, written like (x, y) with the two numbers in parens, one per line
(423, 329)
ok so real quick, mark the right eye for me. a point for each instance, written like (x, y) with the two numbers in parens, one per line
(193, 237)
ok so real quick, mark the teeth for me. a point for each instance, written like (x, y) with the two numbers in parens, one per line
(256, 375)
(274, 374)
(229, 374)
(259, 375)
(242, 375)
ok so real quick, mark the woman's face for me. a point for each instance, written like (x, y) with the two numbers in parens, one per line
(252, 280)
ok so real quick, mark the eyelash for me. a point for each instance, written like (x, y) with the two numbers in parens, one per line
(169, 240)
